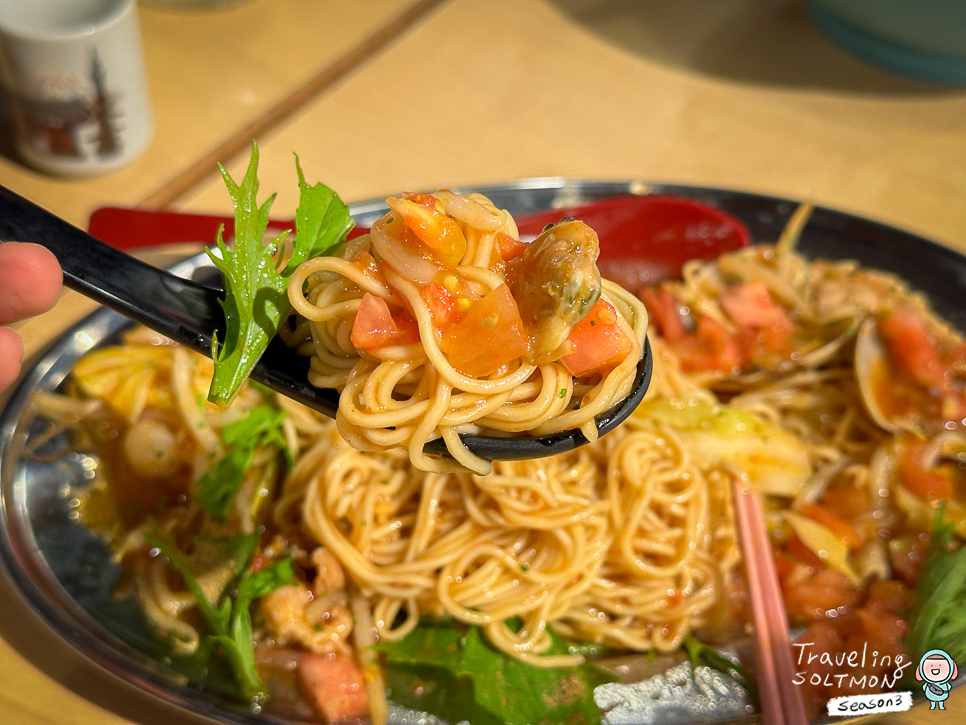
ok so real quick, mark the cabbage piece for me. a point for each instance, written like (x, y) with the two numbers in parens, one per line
(921, 512)
(775, 461)
(823, 542)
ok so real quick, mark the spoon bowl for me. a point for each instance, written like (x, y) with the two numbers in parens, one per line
(189, 313)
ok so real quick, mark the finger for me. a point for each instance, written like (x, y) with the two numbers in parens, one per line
(30, 281)
(11, 355)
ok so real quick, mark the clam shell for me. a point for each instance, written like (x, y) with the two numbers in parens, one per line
(810, 360)
(870, 366)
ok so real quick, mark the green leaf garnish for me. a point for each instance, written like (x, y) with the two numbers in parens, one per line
(322, 223)
(226, 604)
(450, 670)
(701, 654)
(210, 570)
(256, 300)
(437, 691)
(938, 619)
(220, 484)
(267, 580)
(263, 423)
(239, 645)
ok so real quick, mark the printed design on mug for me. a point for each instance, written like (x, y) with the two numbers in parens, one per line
(936, 671)
(78, 125)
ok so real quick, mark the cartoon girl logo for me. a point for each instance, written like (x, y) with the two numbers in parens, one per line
(936, 670)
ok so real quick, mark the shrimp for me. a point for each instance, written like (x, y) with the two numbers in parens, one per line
(318, 619)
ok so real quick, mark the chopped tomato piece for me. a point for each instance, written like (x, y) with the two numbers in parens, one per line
(809, 596)
(711, 347)
(921, 482)
(418, 197)
(819, 672)
(436, 230)
(870, 635)
(913, 348)
(888, 649)
(905, 556)
(749, 304)
(848, 623)
(510, 248)
(846, 502)
(783, 564)
(825, 637)
(882, 629)
(796, 549)
(597, 343)
(663, 308)
(489, 335)
(763, 324)
(889, 596)
(333, 685)
(753, 341)
(842, 529)
(375, 327)
(441, 303)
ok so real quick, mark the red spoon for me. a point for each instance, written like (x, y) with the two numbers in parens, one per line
(643, 239)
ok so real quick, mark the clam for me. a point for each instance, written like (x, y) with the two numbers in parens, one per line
(809, 360)
(825, 352)
(872, 376)
(872, 560)
(555, 284)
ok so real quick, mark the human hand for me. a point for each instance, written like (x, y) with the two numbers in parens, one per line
(30, 281)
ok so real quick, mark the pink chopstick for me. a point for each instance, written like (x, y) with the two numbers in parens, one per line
(781, 700)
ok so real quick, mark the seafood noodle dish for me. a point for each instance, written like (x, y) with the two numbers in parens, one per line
(332, 570)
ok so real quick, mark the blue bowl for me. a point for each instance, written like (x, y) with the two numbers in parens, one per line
(922, 39)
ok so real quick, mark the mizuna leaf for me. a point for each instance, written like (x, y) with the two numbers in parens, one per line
(256, 300)
(505, 689)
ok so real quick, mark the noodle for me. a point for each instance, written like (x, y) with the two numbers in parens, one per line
(593, 540)
(409, 394)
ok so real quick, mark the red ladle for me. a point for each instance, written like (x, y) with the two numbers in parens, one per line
(643, 239)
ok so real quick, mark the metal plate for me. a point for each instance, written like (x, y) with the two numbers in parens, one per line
(65, 572)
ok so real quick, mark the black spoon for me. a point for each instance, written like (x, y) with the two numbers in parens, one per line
(188, 313)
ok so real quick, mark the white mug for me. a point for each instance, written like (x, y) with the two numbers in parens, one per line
(74, 70)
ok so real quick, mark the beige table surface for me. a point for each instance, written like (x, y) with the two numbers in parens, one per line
(377, 97)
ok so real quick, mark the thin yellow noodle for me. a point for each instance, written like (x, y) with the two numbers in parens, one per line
(542, 541)
(162, 607)
(182, 371)
(410, 395)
